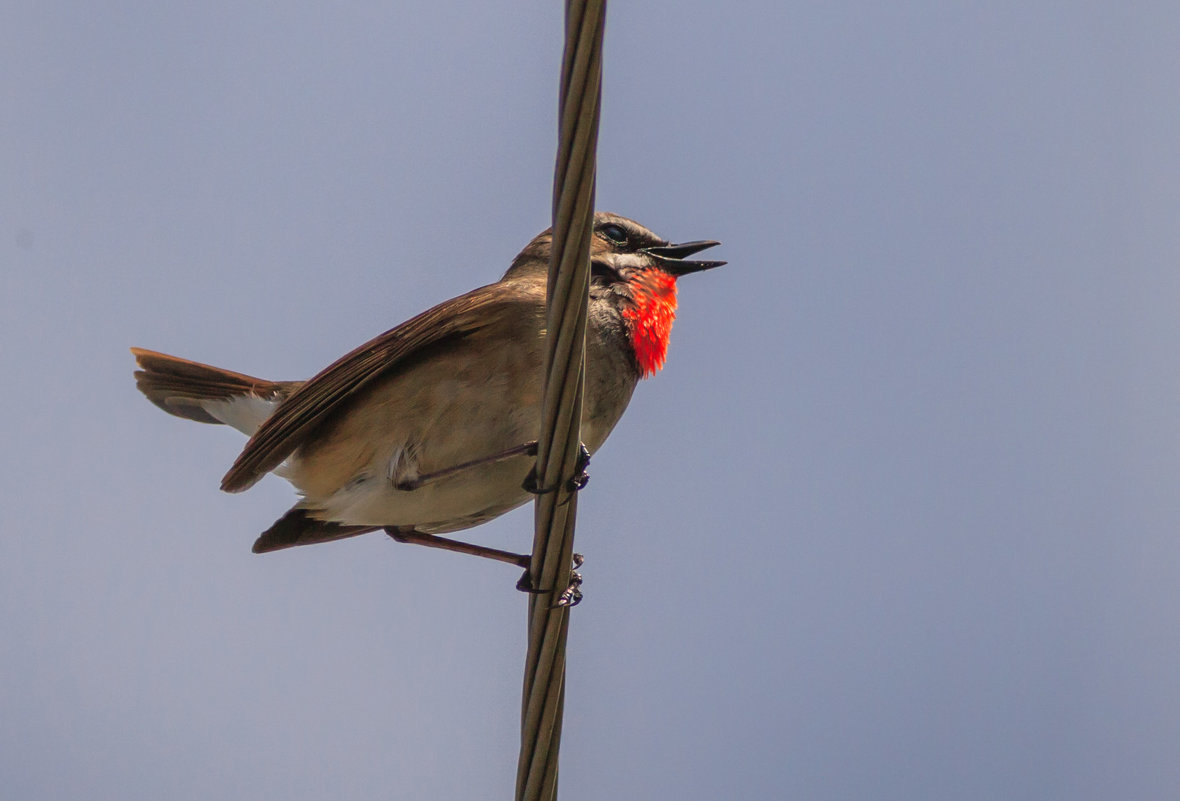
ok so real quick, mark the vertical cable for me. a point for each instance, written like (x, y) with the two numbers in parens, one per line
(561, 413)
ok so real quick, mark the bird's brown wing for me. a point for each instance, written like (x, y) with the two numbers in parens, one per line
(307, 407)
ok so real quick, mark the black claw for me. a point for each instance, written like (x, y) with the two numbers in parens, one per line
(579, 481)
(581, 477)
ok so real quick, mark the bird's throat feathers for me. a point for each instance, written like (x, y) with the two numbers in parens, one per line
(649, 318)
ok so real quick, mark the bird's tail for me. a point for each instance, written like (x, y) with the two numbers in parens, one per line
(208, 394)
(298, 527)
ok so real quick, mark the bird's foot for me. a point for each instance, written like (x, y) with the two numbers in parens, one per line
(570, 596)
(579, 481)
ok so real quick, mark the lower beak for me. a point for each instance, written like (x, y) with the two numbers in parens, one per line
(671, 258)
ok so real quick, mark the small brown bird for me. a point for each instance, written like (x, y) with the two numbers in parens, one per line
(431, 427)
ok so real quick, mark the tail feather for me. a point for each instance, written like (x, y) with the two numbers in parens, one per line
(207, 394)
(297, 527)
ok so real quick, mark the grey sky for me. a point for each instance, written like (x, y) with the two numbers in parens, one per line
(898, 520)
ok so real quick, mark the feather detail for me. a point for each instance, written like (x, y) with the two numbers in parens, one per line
(208, 394)
(329, 392)
(649, 318)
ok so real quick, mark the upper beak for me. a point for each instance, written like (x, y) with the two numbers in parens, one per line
(671, 258)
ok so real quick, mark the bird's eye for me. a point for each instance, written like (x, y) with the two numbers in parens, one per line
(614, 233)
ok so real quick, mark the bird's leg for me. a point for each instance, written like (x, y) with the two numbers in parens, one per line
(413, 483)
(414, 537)
(569, 597)
(581, 477)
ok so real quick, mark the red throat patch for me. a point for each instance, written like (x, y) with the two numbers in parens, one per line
(649, 318)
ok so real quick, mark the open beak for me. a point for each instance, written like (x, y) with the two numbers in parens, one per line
(671, 258)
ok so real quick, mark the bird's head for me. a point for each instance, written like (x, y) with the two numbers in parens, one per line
(637, 270)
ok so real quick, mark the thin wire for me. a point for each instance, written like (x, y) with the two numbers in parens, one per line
(561, 411)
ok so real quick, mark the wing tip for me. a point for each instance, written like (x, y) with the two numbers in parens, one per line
(234, 481)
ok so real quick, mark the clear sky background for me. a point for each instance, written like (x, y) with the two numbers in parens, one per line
(899, 520)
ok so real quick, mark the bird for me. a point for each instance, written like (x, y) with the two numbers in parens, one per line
(430, 428)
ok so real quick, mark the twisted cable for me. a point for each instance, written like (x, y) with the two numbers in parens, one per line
(561, 413)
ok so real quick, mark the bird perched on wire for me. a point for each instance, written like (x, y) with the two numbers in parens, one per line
(431, 427)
